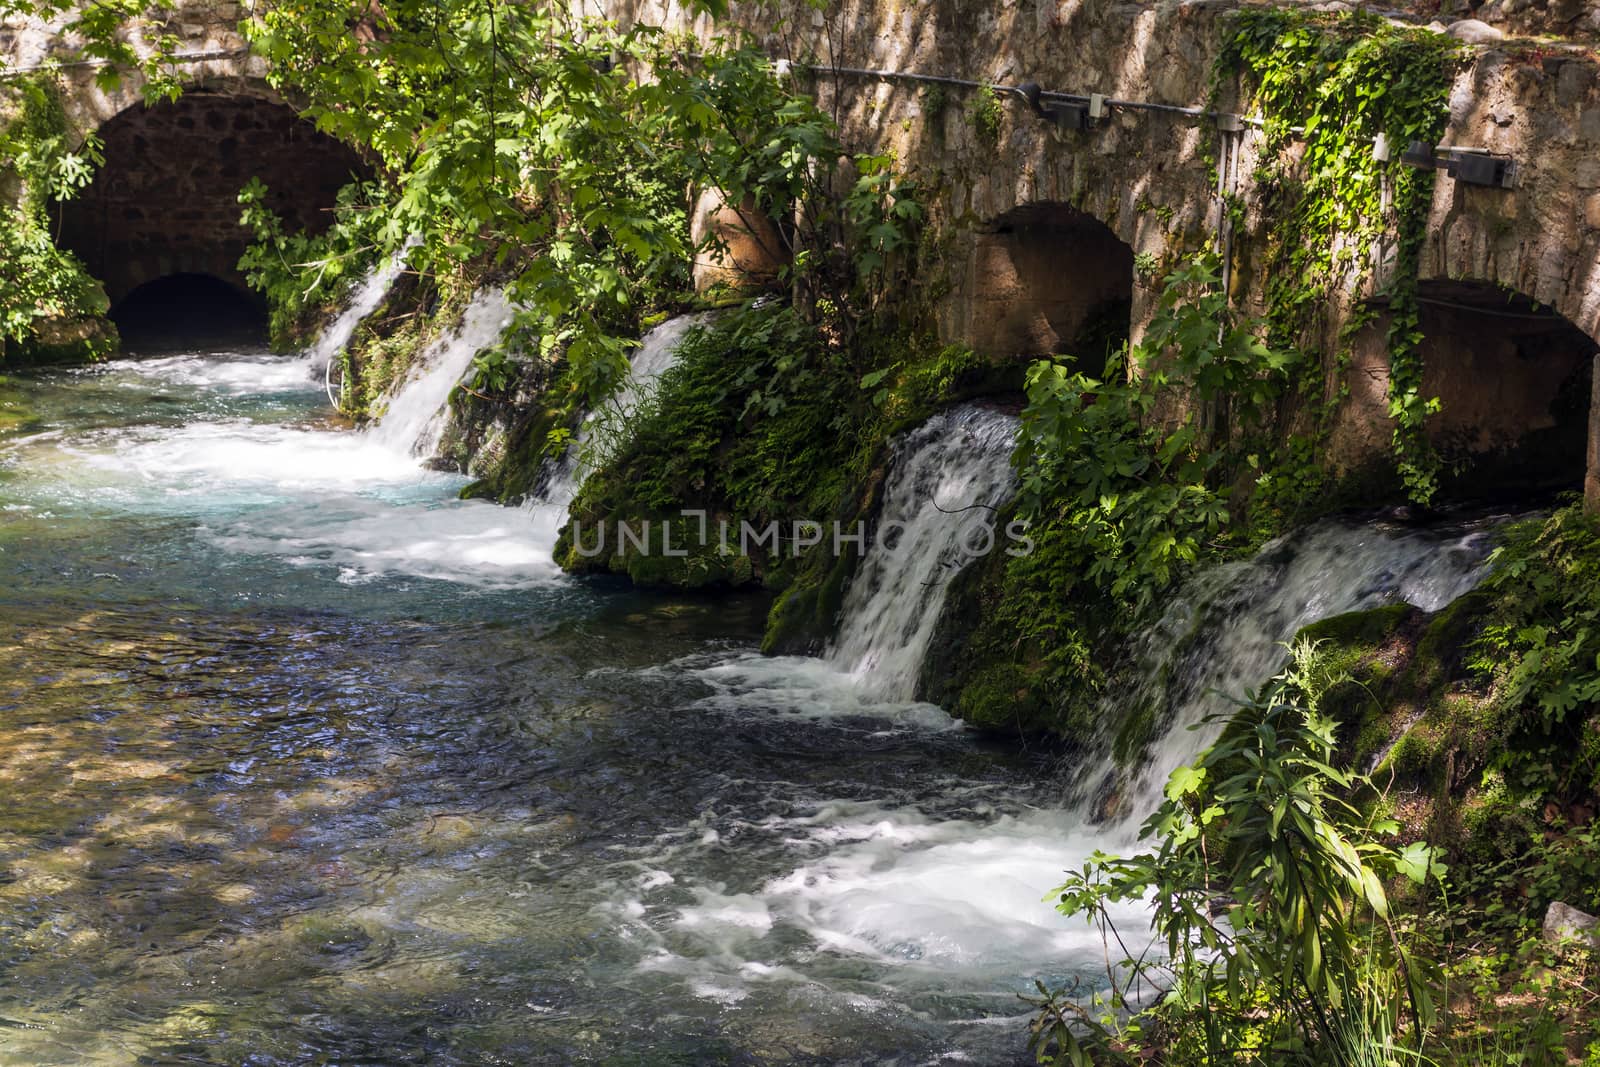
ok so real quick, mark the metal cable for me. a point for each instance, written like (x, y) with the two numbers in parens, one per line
(1051, 95)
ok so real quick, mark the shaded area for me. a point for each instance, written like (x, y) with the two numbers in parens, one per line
(182, 310)
(1513, 378)
(166, 201)
(1049, 279)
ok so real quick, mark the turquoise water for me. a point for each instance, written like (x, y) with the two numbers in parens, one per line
(305, 761)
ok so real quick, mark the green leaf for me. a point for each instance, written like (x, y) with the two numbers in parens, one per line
(1183, 781)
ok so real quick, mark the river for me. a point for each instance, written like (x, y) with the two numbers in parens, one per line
(304, 760)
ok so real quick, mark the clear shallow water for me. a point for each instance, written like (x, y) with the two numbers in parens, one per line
(303, 760)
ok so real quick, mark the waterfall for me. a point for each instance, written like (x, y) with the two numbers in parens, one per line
(602, 432)
(363, 302)
(945, 479)
(416, 417)
(1221, 636)
(1226, 632)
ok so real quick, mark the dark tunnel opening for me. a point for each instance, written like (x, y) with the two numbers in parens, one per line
(1052, 280)
(1514, 380)
(185, 310)
(163, 210)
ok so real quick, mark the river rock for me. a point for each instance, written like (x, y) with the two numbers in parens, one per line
(1563, 922)
(1473, 31)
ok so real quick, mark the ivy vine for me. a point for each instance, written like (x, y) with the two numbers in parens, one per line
(40, 166)
(1332, 83)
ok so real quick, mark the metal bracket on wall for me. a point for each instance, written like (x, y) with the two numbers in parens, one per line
(1474, 166)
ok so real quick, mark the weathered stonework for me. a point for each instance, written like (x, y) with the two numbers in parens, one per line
(167, 199)
(211, 54)
(748, 251)
(1148, 177)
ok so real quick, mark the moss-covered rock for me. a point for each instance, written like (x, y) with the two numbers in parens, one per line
(65, 340)
(1396, 681)
(386, 342)
(504, 445)
(1023, 645)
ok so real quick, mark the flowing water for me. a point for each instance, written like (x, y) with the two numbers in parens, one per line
(303, 760)
(1226, 632)
(363, 302)
(950, 476)
(415, 418)
(602, 432)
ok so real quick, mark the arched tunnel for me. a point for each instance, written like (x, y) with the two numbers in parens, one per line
(1514, 379)
(159, 224)
(1048, 279)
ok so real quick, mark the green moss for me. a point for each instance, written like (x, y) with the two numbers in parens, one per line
(923, 383)
(66, 341)
(1441, 651)
(1032, 621)
(1358, 632)
(512, 476)
(1005, 697)
(805, 614)
(414, 312)
(986, 114)
(758, 421)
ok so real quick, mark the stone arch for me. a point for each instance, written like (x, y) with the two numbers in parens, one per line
(1046, 279)
(165, 202)
(1514, 378)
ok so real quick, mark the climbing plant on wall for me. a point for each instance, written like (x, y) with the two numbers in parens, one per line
(39, 283)
(1326, 86)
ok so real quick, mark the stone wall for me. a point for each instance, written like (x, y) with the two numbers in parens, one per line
(210, 53)
(166, 201)
(1146, 176)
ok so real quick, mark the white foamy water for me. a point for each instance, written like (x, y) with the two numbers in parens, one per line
(884, 897)
(804, 687)
(240, 373)
(414, 420)
(603, 432)
(357, 506)
(469, 542)
(209, 458)
(363, 302)
(1226, 632)
(963, 896)
(948, 476)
